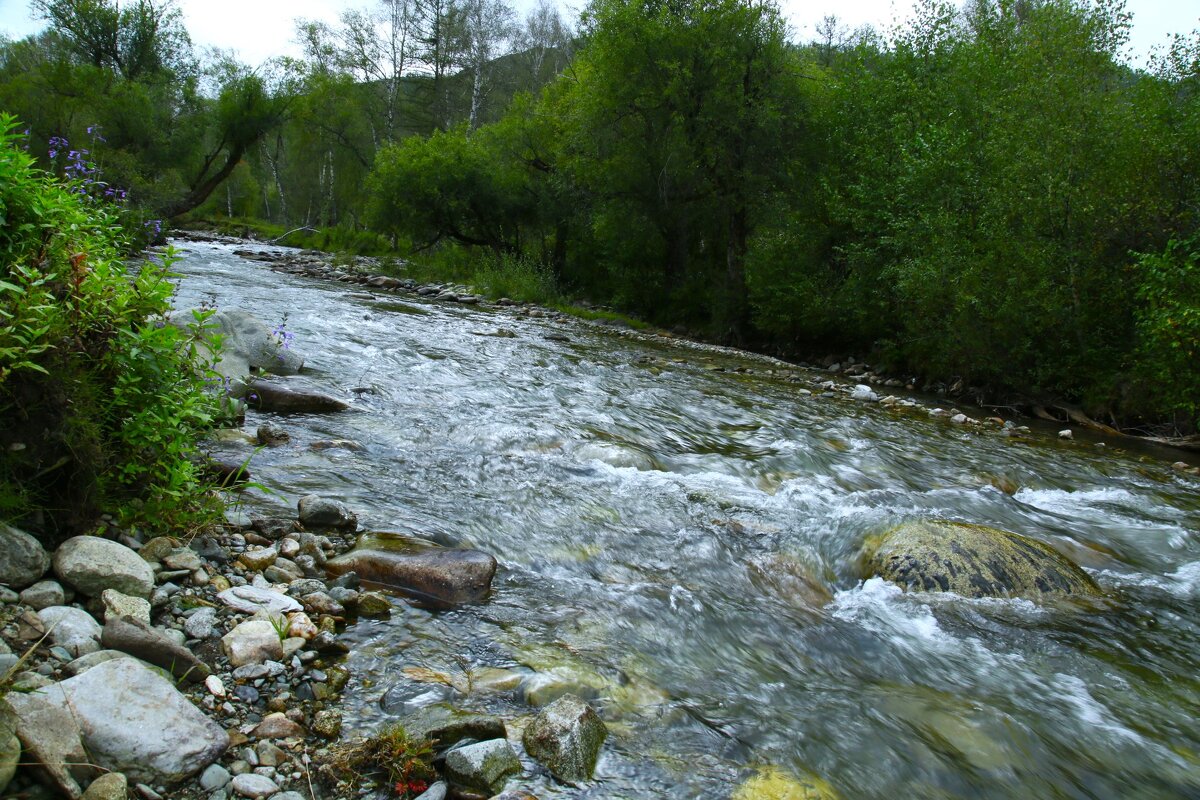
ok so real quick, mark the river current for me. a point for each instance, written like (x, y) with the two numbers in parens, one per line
(680, 542)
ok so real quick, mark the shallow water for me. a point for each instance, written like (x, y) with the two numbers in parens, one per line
(660, 525)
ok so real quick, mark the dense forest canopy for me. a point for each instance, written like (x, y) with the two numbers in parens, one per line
(986, 196)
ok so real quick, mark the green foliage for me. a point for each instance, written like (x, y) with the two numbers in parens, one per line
(103, 398)
(450, 187)
(516, 277)
(391, 756)
(1168, 327)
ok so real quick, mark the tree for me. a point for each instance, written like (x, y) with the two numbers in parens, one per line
(677, 117)
(136, 41)
(488, 25)
(546, 39)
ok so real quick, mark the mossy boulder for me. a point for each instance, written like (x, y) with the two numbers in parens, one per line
(974, 561)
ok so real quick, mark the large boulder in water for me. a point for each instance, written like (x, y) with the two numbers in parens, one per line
(246, 341)
(437, 576)
(293, 399)
(975, 561)
(566, 738)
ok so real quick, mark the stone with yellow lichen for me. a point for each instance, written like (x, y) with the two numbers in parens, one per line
(771, 783)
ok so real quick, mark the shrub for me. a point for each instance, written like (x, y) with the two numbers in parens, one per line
(101, 399)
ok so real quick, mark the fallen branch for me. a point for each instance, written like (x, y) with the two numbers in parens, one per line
(293, 230)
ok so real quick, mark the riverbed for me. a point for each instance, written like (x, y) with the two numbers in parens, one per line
(679, 533)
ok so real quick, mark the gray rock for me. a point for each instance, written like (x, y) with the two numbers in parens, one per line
(321, 512)
(51, 738)
(71, 628)
(278, 726)
(134, 721)
(184, 558)
(863, 392)
(91, 565)
(272, 435)
(485, 766)
(975, 561)
(274, 396)
(43, 594)
(147, 792)
(202, 624)
(215, 777)
(130, 635)
(109, 786)
(122, 605)
(305, 586)
(10, 746)
(84, 663)
(245, 342)
(8, 596)
(322, 603)
(253, 786)
(445, 725)
(436, 576)
(22, 558)
(566, 738)
(252, 642)
(252, 599)
(435, 792)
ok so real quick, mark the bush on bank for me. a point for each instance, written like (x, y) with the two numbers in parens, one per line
(101, 401)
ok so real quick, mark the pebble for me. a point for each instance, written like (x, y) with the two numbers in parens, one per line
(215, 777)
(214, 685)
(1066, 434)
(254, 786)
(201, 624)
(277, 726)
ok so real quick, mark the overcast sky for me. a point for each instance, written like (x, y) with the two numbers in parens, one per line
(259, 29)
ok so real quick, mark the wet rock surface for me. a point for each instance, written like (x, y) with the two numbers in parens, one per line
(975, 561)
(440, 577)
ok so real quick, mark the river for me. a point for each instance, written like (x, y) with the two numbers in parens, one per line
(661, 519)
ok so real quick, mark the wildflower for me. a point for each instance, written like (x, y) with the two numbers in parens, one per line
(94, 132)
(283, 336)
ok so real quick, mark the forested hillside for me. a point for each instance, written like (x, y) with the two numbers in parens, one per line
(988, 197)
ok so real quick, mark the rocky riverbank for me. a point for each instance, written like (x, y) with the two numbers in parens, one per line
(210, 667)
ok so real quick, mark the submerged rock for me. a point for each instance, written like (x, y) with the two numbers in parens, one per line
(437, 576)
(775, 784)
(446, 725)
(566, 738)
(975, 561)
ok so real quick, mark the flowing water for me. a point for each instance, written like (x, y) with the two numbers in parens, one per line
(663, 530)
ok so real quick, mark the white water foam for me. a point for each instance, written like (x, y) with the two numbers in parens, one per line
(1087, 709)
